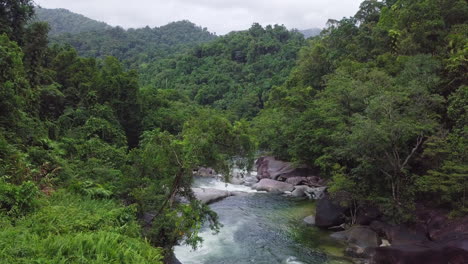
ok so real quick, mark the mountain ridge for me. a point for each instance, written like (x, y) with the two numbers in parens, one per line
(62, 21)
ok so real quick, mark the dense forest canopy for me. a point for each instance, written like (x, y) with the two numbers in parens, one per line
(378, 103)
(234, 72)
(95, 150)
(136, 48)
(63, 21)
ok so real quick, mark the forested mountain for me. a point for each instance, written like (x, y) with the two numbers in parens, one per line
(234, 72)
(311, 32)
(64, 21)
(137, 47)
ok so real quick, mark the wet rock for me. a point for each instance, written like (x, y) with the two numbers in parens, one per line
(356, 251)
(207, 195)
(236, 180)
(316, 193)
(205, 172)
(427, 254)
(296, 180)
(411, 245)
(328, 213)
(250, 180)
(271, 168)
(300, 191)
(362, 236)
(273, 186)
(309, 220)
(367, 214)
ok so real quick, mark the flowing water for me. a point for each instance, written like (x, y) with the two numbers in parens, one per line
(261, 228)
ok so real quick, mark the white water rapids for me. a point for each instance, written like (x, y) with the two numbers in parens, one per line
(257, 227)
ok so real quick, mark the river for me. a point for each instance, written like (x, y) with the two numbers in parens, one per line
(261, 228)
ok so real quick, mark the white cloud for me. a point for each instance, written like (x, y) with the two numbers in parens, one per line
(219, 16)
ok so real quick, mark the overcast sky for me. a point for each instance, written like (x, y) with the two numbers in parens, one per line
(220, 16)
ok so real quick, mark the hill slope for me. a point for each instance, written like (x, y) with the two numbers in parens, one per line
(311, 32)
(234, 72)
(137, 47)
(64, 21)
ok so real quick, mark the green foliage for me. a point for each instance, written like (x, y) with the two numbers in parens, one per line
(14, 14)
(137, 48)
(73, 229)
(17, 200)
(234, 72)
(377, 102)
(63, 21)
(162, 168)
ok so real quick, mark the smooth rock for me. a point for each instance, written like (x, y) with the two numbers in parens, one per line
(310, 220)
(273, 186)
(236, 180)
(328, 213)
(356, 251)
(250, 180)
(271, 168)
(238, 193)
(317, 192)
(205, 172)
(362, 236)
(367, 214)
(207, 195)
(299, 191)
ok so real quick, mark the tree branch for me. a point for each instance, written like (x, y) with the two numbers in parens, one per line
(419, 140)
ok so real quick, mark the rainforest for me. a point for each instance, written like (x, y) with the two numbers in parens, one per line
(150, 145)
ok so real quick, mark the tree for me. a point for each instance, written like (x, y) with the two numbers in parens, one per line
(14, 15)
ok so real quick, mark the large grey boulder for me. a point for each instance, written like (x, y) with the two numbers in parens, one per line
(250, 180)
(361, 236)
(329, 213)
(316, 193)
(300, 191)
(205, 172)
(207, 195)
(309, 220)
(271, 168)
(362, 241)
(306, 191)
(273, 186)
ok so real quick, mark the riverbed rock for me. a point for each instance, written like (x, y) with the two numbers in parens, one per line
(329, 213)
(356, 251)
(316, 193)
(361, 236)
(309, 220)
(273, 186)
(250, 180)
(271, 168)
(236, 180)
(367, 214)
(412, 245)
(205, 172)
(427, 254)
(311, 181)
(208, 195)
(300, 191)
